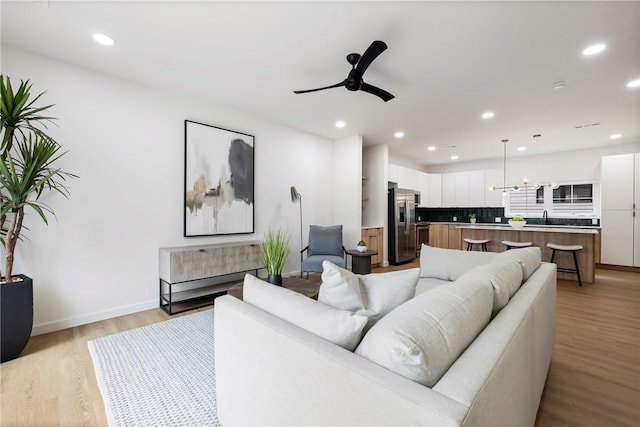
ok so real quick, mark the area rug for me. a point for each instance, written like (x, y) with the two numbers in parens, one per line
(159, 375)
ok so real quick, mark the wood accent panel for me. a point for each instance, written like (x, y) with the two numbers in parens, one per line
(454, 239)
(373, 237)
(593, 381)
(439, 235)
(586, 257)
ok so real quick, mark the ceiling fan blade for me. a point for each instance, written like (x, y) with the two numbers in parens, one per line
(383, 94)
(372, 52)
(342, 83)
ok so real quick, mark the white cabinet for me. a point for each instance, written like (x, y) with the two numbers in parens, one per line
(462, 189)
(493, 177)
(448, 190)
(434, 193)
(620, 199)
(476, 189)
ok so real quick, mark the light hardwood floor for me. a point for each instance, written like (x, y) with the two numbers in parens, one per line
(594, 379)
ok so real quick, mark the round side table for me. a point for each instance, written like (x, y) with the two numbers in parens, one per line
(361, 261)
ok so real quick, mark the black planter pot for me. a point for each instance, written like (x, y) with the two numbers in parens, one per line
(16, 316)
(275, 279)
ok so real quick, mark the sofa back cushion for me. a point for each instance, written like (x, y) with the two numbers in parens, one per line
(528, 258)
(450, 264)
(422, 338)
(372, 295)
(341, 327)
(505, 278)
(325, 240)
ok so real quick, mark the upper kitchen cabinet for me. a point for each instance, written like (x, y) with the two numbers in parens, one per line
(434, 191)
(448, 190)
(492, 177)
(476, 189)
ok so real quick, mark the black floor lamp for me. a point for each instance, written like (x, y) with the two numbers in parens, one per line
(297, 196)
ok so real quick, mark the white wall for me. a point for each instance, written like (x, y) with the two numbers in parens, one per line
(126, 142)
(347, 188)
(375, 161)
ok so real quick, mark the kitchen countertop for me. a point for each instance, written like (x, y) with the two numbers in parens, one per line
(535, 227)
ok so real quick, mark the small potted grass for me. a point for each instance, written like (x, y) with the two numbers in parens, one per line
(275, 250)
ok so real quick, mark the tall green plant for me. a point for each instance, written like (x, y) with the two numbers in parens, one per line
(275, 250)
(27, 170)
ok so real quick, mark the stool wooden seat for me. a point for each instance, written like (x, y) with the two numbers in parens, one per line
(567, 248)
(510, 245)
(481, 242)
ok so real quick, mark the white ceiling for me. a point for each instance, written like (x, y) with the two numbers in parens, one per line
(447, 63)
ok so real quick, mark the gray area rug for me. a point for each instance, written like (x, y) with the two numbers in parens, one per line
(159, 375)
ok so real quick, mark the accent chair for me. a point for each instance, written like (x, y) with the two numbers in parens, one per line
(325, 243)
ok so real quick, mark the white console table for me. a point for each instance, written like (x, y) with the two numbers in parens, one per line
(186, 272)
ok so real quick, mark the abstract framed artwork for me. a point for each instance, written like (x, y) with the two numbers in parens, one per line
(219, 181)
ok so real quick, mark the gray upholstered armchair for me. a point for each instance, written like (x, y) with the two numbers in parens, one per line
(325, 243)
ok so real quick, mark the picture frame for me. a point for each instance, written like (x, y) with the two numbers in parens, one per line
(218, 181)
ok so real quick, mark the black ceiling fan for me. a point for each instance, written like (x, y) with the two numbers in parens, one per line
(359, 65)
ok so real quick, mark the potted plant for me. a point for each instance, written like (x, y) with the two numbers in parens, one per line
(27, 172)
(472, 218)
(517, 222)
(361, 246)
(275, 250)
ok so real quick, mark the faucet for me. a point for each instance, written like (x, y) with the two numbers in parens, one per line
(545, 217)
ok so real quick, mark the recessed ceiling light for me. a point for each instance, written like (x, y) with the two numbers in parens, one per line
(399, 134)
(103, 39)
(634, 83)
(592, 50)
(615, 136)
(488, 115)
(340, 124)
(454, 157)
(522, 148)
(431, 148)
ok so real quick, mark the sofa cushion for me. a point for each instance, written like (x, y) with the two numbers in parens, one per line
(528, 258)
(422, 338)
(505, 278)
(372, 295)
(449, 264)
(427, 283)
(341, 327)
(325, 240)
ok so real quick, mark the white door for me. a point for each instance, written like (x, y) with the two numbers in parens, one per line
(617, 237)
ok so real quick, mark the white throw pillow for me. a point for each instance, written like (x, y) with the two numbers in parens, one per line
(340, 288)
(529, 259)
(423, 337)
(372, 295)
(450, 264)
(341, 327)
(505, 278)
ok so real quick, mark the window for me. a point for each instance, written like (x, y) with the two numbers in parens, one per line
(568, 200)
(573, 199)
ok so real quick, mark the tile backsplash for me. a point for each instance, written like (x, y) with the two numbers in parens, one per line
(488, 216)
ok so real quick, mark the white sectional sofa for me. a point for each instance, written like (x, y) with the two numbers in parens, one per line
(465, 347)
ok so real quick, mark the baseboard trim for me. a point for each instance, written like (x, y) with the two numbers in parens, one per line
(57, 325)
(618, 267)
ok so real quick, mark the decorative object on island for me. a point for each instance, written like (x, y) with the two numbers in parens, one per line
(275, 250)
(361, 246)
(219, 181)
(27, 171)
(517, 222)
(297, 196)
(472, 218)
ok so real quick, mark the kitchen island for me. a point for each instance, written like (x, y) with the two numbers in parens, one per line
(540, 235)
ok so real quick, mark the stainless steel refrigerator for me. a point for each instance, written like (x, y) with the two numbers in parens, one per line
(402, 225)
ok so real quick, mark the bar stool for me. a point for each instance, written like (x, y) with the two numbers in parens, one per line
(481, 242)
(567, 248)
(510, 245)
